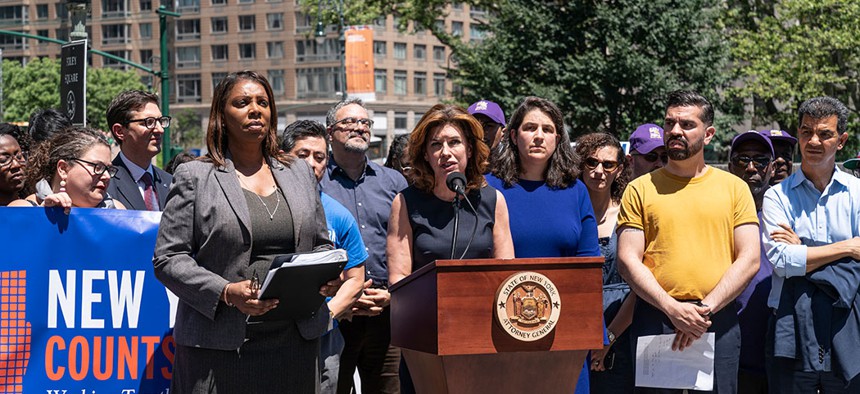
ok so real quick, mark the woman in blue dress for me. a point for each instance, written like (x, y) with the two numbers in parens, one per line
(536, 171)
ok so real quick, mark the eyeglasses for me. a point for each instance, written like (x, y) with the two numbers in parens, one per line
(742, 161)
(149, 122)
(653, 156)
(608, 165)
(99, 168)
(6, 160)
(352, 122)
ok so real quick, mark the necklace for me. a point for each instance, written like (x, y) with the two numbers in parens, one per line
(277, 196)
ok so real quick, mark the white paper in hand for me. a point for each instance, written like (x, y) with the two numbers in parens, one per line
(658, 366)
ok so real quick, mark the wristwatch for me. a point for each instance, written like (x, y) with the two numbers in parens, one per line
(611, 336)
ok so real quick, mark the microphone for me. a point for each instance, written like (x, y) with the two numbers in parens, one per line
(456, 182)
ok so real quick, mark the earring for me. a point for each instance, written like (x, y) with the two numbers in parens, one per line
(63, 186)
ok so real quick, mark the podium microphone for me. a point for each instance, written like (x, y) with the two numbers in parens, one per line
(456, 182)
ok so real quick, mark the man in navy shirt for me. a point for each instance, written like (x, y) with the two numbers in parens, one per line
(366, 189)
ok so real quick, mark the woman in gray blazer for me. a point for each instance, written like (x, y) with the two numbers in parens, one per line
(227, 216)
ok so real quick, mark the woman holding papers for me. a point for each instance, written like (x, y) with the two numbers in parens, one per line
(227, 217)
(76, 164)
(420, 230)
(551, 215)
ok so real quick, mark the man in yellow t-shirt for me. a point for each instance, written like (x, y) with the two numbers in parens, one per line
(688, 242)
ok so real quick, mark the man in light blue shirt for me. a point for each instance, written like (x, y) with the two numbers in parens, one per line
(811, 227)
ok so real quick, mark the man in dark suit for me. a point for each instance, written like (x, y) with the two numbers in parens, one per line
(138, 126)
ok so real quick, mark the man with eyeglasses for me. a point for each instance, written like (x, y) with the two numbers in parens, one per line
(751, 159)
(647, 152)
(366, 189)
(812, 238)
(783, 154)
(137, 125)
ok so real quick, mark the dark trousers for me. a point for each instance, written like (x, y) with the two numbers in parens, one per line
(619, 374)
(786, 375)
(367, 346)
(648, 320)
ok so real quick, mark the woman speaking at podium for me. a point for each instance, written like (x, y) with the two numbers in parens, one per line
(446, 141)
(536, 171)
(226, 218)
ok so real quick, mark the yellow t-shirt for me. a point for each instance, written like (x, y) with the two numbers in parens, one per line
(689, 226)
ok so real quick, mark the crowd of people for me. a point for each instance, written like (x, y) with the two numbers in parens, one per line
(762, 256)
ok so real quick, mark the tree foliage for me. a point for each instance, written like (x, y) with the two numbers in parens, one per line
(37, 85)
(791, 50)
(186, 131)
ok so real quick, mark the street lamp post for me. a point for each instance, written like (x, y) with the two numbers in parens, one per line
(320, 36)
(163, 13)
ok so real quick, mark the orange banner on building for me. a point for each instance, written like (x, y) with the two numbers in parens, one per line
(359, 62)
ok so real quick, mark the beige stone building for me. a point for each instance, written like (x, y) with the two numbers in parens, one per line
(214, 37)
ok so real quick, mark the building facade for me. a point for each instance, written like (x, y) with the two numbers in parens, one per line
(215, 37)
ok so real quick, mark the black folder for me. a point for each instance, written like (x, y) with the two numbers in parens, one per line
(295, 280)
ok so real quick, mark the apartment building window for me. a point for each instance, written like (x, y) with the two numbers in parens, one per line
(146, 31)
(400, 120)
(438, 53)
(379, 48)
(420, 83)
(217, 78)
(457, 28)
(16, 14)
(419, 52)
(43, 33)
(400, 50)
(303, 22)
(42, 11)
(188, 6)
(188, 88)
(439, 84)
(247, 51)
(187, 29)
(380, 81)
(62, 33)
(477, 12)
(276, 79)
(247, 23)
(457, 5)
(114, 8)
(61, 10)
(219, 24)
(380, 22)
(310, 51)
(275, 21)
(114, 34)
(400, 82)
(219, 2)
(11, 43)
(220, 53)
(440, 24)
(476, 33)
(188, 57)
(245, 1)
(146, 57)
(317, 82)
(275, 49)
(146, 5)
(113, 63)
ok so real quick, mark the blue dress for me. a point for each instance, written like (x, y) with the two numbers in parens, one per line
(548, 222)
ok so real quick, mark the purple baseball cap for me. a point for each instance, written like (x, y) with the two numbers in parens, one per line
(779, 135)
(490, 110)
(753, 135)
(646, 138)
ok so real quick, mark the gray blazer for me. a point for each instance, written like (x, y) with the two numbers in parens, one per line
(204, 242)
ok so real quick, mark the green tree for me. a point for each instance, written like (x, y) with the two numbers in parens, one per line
(186, 131)
(788, 51)
(37, 85)
(607, 64)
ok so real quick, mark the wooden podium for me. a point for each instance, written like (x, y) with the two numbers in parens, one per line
(443, 316)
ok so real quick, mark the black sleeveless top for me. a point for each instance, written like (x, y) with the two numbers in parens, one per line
(432, 222)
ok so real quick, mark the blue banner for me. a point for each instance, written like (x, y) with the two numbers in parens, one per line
(81, 311)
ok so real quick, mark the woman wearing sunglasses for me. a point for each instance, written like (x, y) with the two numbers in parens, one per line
(76, 163)
(605, 174)
(535, 170)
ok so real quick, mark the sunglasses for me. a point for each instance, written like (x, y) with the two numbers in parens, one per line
(608, 165)
(653, 156)
(99, 168)
(742, 161)
(150, 122)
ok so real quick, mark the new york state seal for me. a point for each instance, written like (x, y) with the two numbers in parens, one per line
(527, 306)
